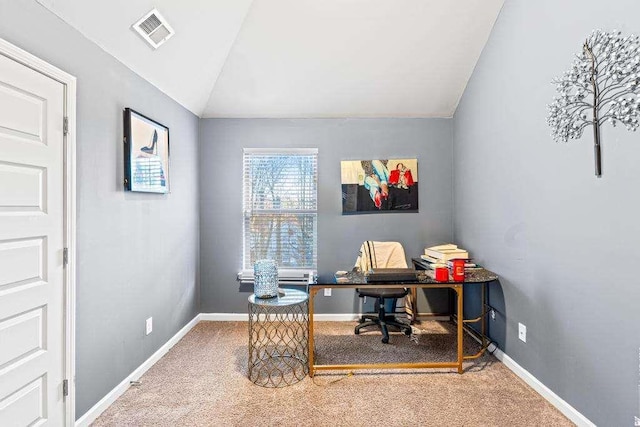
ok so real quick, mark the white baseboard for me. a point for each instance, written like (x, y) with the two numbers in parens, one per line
(97, 409)
(347, 317)
(225, 317)
(340, 317)
(93, 413)
(568, 410)
(244, 317)
(326, 317)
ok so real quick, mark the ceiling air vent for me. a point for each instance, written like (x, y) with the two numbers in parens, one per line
(154, 29)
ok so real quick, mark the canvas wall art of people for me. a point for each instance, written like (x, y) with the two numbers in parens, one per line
(380, 185)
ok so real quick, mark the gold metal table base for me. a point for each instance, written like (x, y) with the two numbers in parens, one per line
(456, 287)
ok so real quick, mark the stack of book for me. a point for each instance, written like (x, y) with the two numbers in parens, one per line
(443, 256)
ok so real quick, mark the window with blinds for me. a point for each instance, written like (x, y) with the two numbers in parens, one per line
(280, 207)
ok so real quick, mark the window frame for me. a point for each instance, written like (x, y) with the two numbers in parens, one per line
(286, 274)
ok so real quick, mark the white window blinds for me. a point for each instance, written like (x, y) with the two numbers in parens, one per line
(280, 207)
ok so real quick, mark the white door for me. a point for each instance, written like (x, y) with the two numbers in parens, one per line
(31, 247)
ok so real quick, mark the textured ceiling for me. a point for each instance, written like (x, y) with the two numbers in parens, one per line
(298, 58)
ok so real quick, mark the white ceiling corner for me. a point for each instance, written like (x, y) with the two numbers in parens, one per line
(187, 65)
(299, 58)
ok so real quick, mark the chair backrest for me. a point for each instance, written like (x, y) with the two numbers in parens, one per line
(381, 255)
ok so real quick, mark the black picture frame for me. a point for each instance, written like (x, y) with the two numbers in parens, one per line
(146, 154)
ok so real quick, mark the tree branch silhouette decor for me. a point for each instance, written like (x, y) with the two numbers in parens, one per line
(602, 85)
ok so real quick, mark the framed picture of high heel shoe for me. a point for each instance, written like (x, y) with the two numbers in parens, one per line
(379, 185)
(146, 154)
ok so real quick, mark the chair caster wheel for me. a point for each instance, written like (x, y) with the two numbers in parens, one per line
(385, 340)
(357, 331)
(407, 332)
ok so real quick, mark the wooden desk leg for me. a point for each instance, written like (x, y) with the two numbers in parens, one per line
(460, 324)
(312, 294)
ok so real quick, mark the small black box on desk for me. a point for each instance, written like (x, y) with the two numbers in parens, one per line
(391, 275)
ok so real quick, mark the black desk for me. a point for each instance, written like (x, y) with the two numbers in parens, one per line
(424, 281)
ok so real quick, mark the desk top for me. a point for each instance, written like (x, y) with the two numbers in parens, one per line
(471, 275)
(479, 275)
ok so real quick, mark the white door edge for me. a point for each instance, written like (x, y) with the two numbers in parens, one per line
(69, 81)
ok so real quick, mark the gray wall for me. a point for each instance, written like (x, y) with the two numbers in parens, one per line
(137, 253)
(564, 243)
(530, 209)
(339, 237)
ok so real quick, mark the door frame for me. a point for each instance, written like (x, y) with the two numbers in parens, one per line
(69, 200)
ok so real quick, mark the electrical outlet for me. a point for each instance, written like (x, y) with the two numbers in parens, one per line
(522, 332)
(327, 292)
(493, 314)
(148, 325)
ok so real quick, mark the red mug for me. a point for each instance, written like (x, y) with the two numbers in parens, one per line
(442, 274)
(458, 270)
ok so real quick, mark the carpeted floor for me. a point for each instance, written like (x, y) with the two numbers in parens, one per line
(202, 381)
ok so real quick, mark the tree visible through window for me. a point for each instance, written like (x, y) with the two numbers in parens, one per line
(280, 207)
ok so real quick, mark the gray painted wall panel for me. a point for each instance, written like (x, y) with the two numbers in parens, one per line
(339, 237)
(137, 253)
(564, 242)
(526, 207)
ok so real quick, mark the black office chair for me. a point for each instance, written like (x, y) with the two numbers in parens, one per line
(382, 255)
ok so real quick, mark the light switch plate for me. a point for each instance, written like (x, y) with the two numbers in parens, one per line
(148, 325)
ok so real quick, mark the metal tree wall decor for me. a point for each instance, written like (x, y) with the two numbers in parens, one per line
(603, 84)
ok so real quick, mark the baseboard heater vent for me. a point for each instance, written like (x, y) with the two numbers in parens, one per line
(285, 277)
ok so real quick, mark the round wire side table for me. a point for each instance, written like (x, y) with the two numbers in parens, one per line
(278, 338)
